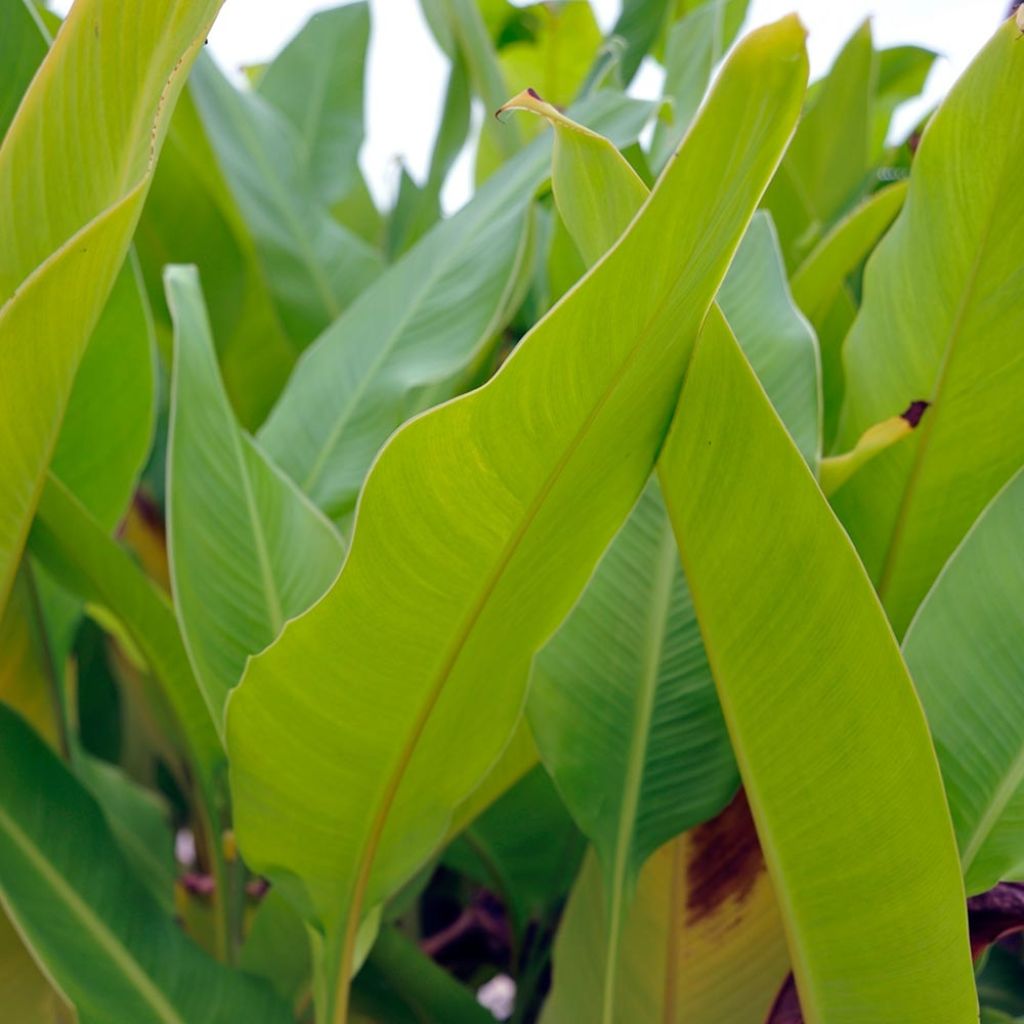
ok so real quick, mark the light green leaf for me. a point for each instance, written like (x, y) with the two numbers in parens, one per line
(827, 729)
(103, 939)
(314, 266)
(965, 649)
(702, 943)
(316, 81)
(247, 549)
(111, 414)
(902, 74)
(942, 321)
(62, 247)
(416, 328)
(465, 557)
(820, 289)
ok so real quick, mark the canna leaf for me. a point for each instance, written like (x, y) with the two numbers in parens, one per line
(941, 321)
(853, 814)
(62, 247)
(412, 333)
(22, 49)
(965, 651)
(468, 587)
(316, 82)
(102, 938)
(247, 549)
(820, 287)
(702, 942)
(314, 266)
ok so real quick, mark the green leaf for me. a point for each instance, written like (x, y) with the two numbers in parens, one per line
(702, 942)
(277, 948)
(314, 266)
(247, 549)
(111, 414)
(695, 45)
(28, 996)
(191, 217)
(79, 553)
(465, 555)
(103, 939)
(966, 653)
(820, 287)
(827, 729)
(826, 168)
(316, 82)
(62, 247)
(22, 48)
(417, 328)
(639, 25)
(902, 74)
(941, 322)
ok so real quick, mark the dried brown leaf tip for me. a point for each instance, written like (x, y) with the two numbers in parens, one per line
(913, 413)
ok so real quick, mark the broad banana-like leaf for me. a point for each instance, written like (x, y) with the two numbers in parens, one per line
(820, 289)
(418, 327)
(78, 552)
(314, 266)
(248, 550)
(23, 46)
(902, 72)
(826, 167)
(702, 943)
(828, 731)
(695, 45)
(458, 599)
(942, 321)
(108, 425)
(191, 217)
(102, 938)
(965, 649)
(622, 703)
(316, 81)
(107, 86)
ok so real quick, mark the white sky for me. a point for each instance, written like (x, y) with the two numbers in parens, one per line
(407, 72)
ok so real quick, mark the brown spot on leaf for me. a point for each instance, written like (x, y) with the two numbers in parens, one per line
(913, 413)
(725, 861)
(536, 95)
(786, 1008)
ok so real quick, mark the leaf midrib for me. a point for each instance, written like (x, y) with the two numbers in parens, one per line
(110, 943)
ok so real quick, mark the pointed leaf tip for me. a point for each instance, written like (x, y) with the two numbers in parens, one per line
(914, 412)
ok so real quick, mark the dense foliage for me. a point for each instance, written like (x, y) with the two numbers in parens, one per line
(604, 601)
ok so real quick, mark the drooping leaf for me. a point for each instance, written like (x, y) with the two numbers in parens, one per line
(416, 328)
(248, 550)
(820, 289)
(965, 649)
(828, 731)
(110, 417)
(314, 266)
(102, 937)
(942, 321)
(63, 245)
(470, 585)
(702, 942)
(316, 81)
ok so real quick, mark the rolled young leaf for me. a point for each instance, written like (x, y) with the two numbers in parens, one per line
(942, 321)
(827, 729)
(469, 546)
(248, 550)
(965, 649)
(103, 939)
(62, 247)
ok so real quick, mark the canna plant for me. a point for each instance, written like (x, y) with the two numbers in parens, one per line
(602, 600)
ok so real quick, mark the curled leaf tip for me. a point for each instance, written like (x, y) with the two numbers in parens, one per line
(536, 95)
(913, 413)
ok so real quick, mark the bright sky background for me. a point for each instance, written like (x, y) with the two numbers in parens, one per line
(407, 71)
